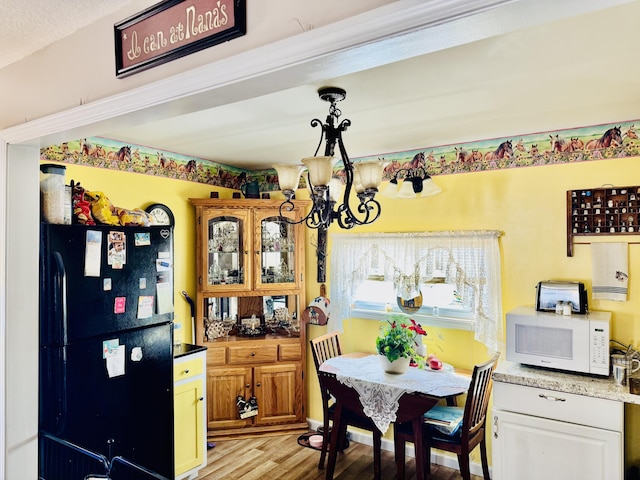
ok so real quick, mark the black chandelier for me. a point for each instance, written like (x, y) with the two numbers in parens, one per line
(362, 177)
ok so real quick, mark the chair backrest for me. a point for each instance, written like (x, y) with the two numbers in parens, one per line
(475, 409)
(324, 347)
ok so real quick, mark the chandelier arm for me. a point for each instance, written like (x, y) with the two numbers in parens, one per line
(326, 209)
(314, 123)
(288, 206)
(321, 211)
(315, 219)
(372, 208)
(345, 218)
(368, 208)
(311, 220)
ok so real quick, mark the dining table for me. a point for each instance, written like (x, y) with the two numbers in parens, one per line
(360, 385)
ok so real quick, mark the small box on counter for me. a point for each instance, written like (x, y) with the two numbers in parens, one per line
(634, 384)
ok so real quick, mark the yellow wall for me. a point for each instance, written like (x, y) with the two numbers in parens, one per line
(527, 204)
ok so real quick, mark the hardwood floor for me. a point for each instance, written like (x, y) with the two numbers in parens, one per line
(280, 457)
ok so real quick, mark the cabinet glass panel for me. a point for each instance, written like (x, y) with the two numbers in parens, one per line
(277, 256)
(221, 308)
(225, 259)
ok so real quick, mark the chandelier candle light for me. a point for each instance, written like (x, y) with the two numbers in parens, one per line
(363, 177)
(415, 181)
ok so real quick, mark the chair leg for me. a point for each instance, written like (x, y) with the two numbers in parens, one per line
(325, 442)
(338, 433)
(400, 452)
(463, 461)
(323, 450)
(427, 460)
(377, 460)
(485, 464)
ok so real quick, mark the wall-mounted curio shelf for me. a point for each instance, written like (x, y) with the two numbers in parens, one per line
(602, 211)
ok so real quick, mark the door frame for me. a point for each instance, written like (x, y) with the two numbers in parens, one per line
(391, 33)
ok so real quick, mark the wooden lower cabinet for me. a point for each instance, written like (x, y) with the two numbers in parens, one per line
(224, 385)
(276, 389)
(271, 370)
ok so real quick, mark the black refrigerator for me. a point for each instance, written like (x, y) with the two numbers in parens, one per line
(106, 348)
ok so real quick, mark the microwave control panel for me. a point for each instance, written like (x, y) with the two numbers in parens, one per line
(599, 347)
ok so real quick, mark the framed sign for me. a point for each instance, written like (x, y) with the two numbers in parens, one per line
(174, 28)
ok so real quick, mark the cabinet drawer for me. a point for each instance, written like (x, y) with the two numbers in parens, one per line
(216, 355)
(187, 369)
(290, 352)
(566, 407)
(252, 354)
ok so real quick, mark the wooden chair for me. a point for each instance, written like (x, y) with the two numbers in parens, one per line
(468, 436)
(325, 347)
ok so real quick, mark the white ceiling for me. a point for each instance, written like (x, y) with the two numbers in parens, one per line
(27, 26)
(576, 71)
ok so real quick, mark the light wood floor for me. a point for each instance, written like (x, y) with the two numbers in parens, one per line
(280, 457)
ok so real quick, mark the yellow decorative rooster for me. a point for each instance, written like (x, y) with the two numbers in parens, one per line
(102, 209)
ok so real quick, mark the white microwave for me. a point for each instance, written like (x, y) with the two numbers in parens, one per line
(575, 343)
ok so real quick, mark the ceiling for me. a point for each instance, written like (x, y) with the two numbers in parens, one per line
(576, 71)
(27, 26)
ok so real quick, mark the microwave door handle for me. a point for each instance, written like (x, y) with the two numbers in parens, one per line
(60, 319)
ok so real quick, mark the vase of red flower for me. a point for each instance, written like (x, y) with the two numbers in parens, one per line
(396, 344)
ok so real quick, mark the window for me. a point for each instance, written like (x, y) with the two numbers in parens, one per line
(440, 304)
(450, 279)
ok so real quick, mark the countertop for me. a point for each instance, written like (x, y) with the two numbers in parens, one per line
(588, 385)
(184, 349)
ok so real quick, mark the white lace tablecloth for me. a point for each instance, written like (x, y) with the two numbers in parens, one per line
(380, 392)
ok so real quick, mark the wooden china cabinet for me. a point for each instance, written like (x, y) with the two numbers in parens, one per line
(250, 269)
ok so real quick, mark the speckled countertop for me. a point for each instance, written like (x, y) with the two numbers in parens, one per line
(590, 386)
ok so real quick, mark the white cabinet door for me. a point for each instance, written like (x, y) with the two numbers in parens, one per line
(533, 448)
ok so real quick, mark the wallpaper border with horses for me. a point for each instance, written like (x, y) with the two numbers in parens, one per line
(599, 142)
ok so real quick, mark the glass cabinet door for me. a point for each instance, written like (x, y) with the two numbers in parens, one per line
(278, 262)
(227, 251)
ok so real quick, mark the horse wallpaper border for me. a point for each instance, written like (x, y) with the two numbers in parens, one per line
(598, 142)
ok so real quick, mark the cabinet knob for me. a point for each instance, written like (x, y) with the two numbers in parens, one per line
(247, 386)
(186, 371)
(258, 384)
(253, 354)
(201, 399)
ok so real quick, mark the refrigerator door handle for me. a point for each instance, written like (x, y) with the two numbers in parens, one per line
(60, 296)
(60, 312)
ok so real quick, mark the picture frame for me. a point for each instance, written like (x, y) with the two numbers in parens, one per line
(175, 28)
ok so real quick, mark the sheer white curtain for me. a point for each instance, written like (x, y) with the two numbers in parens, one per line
(468, 259)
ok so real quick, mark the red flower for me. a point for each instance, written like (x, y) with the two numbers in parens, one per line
(416, 327)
